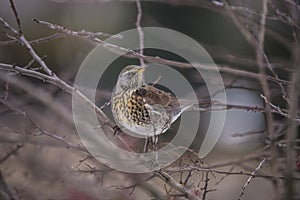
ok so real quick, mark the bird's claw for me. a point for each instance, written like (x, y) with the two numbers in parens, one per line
(117, 131)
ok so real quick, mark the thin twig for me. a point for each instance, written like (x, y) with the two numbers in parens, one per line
(261, 58)
(250, 178)
(171, 182)
(292, 126)
(41, 131)
(140, 31)
(5, 193)
(34, 42)
(237, 173)
(12, 152)
(205, 188)
(256, 44)
(28, 46)
(133, 54)
(20, 31)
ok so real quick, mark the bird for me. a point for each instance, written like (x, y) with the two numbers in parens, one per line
(141, 108)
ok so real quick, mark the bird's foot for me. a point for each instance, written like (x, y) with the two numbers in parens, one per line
(117, 131)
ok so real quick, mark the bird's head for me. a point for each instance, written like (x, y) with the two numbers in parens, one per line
(130, 77)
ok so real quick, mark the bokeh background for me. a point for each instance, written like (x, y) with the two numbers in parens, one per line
(42, 167)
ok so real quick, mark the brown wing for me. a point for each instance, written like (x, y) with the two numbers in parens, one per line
(153, 96)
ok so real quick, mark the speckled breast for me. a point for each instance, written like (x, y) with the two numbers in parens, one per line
(129, 109)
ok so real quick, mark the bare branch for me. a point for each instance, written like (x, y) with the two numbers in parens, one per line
(133, 54)
(34, 42)
(260, 61)
(205, 188)
(250, 178)
(42, 132)
(11, 153)
(261, 58)
(16, 17)
(140, 31)
(7, 26)
(5, 193)
(171, 182)
(237, 173)
(292, 126)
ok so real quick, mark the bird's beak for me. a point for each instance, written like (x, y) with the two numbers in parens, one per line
(142, 69)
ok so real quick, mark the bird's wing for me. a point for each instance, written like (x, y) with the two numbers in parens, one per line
(154, 96)
(160, 100)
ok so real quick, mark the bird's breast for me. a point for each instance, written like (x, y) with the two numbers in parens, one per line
(130, 110)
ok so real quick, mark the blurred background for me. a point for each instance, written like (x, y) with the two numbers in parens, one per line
(39, 166)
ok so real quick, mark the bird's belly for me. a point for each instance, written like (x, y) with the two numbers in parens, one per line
(145, 130)
(156, 126)
(135, 115)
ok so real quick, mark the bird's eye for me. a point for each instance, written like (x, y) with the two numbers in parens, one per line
(129, 74)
